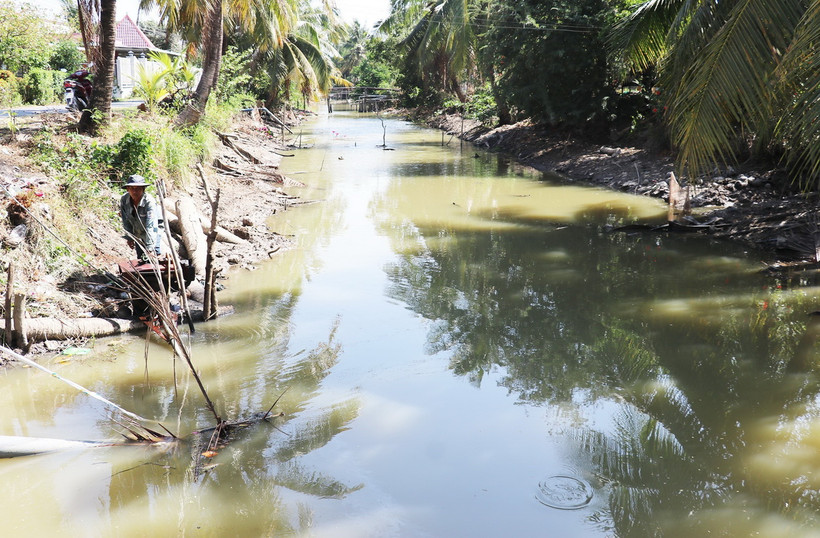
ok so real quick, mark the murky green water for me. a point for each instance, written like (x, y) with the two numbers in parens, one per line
(463, 351)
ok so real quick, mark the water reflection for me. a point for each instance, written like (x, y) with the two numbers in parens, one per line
(448, 340)
(138, 490)
(711, 425)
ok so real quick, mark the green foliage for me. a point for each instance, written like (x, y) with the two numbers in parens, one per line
(9, 89)
(416, 91)
(66, 55)
(133, 154)
(179, 79)
(481, 105)
(150, 86)
(561, 76)
(234, 74)
(377, 68)
(24, 37)
(79, 164)
(42, 86)
(175, 152)
(170, 86)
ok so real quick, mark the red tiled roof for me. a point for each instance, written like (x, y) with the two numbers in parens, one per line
(129, 36)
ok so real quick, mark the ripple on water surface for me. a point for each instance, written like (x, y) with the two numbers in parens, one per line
(564, 492)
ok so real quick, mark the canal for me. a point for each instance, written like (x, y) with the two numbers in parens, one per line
(462, 347)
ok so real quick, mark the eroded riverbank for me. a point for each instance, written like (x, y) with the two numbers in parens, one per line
(752, 204)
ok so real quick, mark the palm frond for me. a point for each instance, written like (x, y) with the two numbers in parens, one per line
(800, 76)
(729, 85)
(643, 37)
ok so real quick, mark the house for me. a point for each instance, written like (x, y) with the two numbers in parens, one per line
(133, 47)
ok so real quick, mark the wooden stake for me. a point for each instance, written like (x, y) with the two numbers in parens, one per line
(209, 306)
(9, 291)
(19, 323)
(674, 194)
(183, 296)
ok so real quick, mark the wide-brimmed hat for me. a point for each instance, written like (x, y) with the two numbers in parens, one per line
(135, 180)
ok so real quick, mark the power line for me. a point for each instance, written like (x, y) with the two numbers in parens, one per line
(488, 23)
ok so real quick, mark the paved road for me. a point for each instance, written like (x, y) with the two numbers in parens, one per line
(31, 110)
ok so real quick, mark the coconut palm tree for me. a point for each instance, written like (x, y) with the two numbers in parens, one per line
(439, 36)
(212, 43)
(303, 56)
(204, 23)
(731, 72)
(104, 68)
(353, 50)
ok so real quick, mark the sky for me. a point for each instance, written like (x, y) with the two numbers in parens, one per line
(367, 12)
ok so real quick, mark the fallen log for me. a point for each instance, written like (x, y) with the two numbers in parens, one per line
(222, 235)
(13, 447)
(192, 236)
(39, 329)
(223, 168)
(242, 152)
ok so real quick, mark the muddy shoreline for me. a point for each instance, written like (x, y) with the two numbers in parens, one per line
(246, 174)
(752, 204)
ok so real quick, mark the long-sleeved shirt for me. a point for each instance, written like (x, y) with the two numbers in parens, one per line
(144, 222)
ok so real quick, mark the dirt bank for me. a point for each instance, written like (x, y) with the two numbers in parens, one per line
(751, 204)
(244, 169)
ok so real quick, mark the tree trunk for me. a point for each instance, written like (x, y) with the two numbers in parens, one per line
(39, 329)
(457, 88)
(104, 71)
(192, 236)
(19, 334)
(501, 106)
(222, 235)
(212, 43)
(8, 312)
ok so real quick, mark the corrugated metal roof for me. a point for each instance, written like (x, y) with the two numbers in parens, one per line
(129, 36)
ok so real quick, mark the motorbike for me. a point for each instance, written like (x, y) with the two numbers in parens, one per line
(78, 90)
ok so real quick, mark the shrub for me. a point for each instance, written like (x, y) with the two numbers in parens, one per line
(79, 164)
(9, 89)
(133, 154)
(66, 55)
(234, 74)
(42, 86)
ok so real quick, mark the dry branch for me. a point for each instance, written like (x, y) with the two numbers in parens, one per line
(242, 152)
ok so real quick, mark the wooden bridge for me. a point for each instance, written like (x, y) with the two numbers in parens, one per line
(365, 98)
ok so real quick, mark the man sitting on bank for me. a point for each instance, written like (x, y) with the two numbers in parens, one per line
(141, 218)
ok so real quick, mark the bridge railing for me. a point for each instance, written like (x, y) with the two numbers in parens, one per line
(355, 93)
(365, 98)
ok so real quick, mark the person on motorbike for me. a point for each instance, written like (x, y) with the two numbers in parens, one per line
(141, 219)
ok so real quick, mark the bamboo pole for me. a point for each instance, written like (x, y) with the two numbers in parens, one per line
(183, 297)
